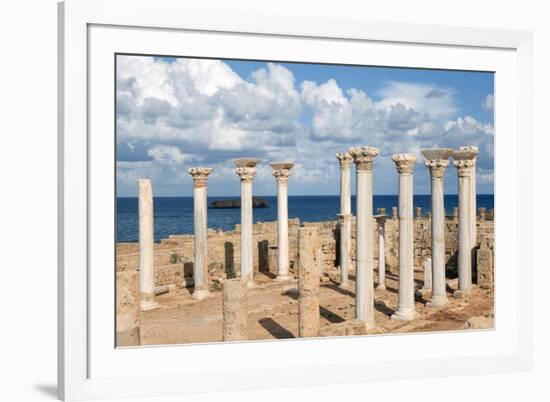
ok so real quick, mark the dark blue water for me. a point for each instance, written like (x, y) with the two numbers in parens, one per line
(174, 215)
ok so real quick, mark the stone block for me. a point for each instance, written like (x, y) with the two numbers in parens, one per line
(346, 328)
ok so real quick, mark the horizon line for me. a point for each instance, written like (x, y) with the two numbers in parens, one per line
(275, 195)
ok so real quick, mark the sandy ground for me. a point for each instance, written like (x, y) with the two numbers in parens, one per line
(273, 311)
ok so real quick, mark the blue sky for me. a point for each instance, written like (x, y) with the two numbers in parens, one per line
(179, 113)
(471, 87)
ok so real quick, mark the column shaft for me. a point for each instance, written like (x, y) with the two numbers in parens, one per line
(381, 258)
(345, 189)
(464, 161)
(364, 284)
(146, 246)
(235, 318)
(405, 305)
(405, 308)
(247, 261)
(246, 169)
(200, 226)
(281, 171)
(200, 273)
(437, 171)
(127, 308)
(364, 275)
(344, 223)
(439, 293)
(427, 268)
(282, 229)
(473, 151)
(344, 218)
(464, 231)
(482, 214)
(308, 284)
(473, 209)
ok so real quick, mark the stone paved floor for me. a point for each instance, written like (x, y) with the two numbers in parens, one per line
(273, 312)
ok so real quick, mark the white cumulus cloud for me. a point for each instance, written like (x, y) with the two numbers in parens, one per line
(489, 103)
(172, 115)
(168, 155)
(439, 103)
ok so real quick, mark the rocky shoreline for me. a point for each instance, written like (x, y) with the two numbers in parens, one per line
(257, 202)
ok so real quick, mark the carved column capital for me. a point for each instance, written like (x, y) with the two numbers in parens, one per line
(464, 160)
(472, 149)
(246, 168)
(437, 167)
(437, 160)
(200, 175)
(246, 173)
(363, 156)
(464, 167)
(281, 171)
(345, 160)
(282, 175)
(404, 162)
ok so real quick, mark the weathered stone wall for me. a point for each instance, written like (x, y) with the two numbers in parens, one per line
(127, 308)
(485, 261)
(174, 255)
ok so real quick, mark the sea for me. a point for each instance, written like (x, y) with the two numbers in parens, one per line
(174, 215)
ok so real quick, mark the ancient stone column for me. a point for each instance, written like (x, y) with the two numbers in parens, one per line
(418, 212)
(364, 276)
(318, 255)
(127, 308)
(464, 162)
(146, 246)
(405, 305)
(281, 171)
(344, 218)
(482, 214)
(200, 266)
(246, 169)
(308, 283)
(485, 268)
(344, 223)
(345, 160)
(473, 202)
(235, 318)
(437, 161)
(380, 220)
(394, 212)
(427, 267)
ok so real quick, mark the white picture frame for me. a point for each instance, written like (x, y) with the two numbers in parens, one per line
(89, 365)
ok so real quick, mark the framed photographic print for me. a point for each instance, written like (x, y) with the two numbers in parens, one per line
(241, 195)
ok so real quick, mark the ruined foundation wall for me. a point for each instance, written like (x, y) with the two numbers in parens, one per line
(127, 308)
(174, 255)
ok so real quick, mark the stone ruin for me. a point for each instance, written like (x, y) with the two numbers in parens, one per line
(313, 252)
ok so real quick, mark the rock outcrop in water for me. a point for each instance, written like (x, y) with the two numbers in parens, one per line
(257, 202)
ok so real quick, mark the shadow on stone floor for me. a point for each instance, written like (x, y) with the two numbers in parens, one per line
(383, 308)
(275, 329)
(330, 316)
(292, 293)
(338, 289)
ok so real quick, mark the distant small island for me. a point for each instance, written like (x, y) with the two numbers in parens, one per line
(257, 202)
